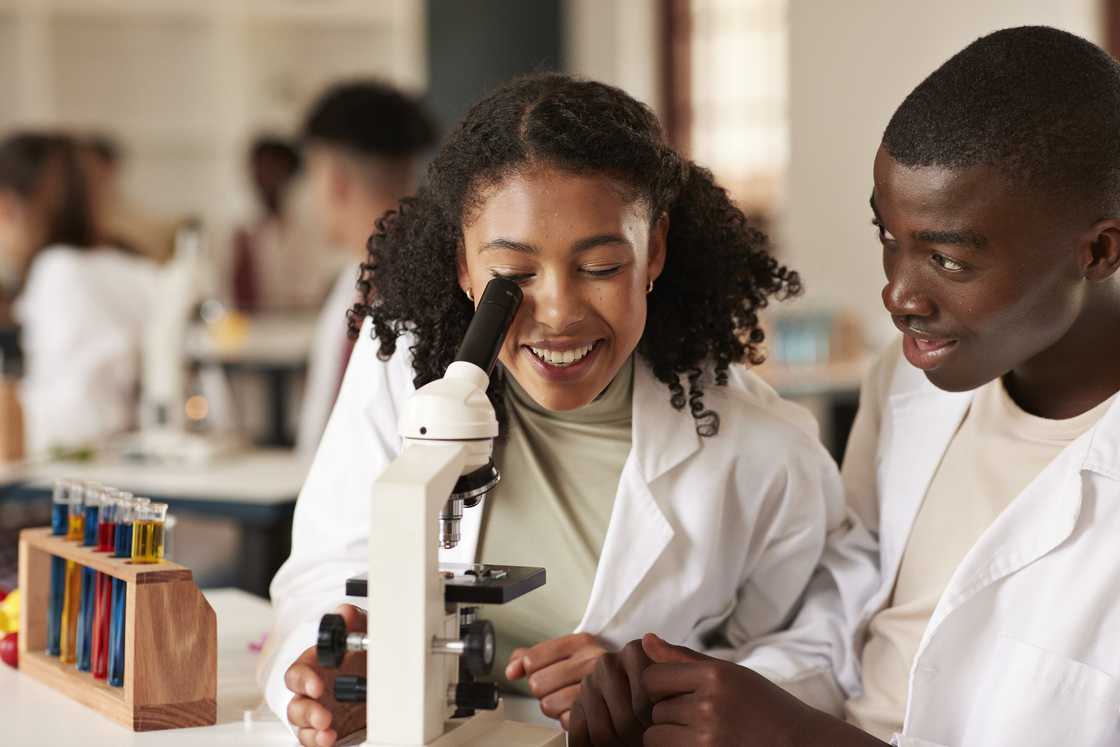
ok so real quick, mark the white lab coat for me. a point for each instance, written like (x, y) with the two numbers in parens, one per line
(82, 314)
(705, 534)
(1024, 646)
(324, 369)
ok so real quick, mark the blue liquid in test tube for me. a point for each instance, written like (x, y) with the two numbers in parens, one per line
(85, 609)
(123, 549)
(60, 510)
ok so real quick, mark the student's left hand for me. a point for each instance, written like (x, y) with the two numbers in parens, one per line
(555, 669)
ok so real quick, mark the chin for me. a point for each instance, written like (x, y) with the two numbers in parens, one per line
(955, 381)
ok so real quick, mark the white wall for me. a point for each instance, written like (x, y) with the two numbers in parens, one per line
(616, 42)
(851, 64)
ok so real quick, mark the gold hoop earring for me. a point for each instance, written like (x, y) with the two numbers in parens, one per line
(649, 288)
(470, 294)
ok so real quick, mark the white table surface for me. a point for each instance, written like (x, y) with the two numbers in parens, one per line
(33, 714)
(254, 476)
(277, 340)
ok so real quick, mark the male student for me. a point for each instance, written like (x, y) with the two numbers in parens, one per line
(363, 141)
(986, 455)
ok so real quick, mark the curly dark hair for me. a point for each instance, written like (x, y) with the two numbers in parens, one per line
(703, 312)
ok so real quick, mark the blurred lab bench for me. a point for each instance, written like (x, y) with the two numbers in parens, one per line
(829, 389)
(256, 489)
(274, 347)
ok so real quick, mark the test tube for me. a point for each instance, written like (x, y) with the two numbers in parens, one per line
(123, 542)
(71, 599)
(147, 532)
(103, 587)
(60, 520)
(84, 639)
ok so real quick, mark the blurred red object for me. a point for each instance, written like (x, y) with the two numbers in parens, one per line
(9, 650)
(3, 593)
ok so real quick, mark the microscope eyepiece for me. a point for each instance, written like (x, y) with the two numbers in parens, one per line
(488, 328)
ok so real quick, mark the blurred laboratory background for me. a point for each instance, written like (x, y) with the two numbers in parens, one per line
(177, 132)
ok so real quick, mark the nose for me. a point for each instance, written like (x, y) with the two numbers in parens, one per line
(556, 304)
(903, 295)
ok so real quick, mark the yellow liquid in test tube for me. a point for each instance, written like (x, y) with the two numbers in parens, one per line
(76, 527)
(71, 598)
(147, 541)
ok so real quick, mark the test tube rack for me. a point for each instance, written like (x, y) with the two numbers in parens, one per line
(171, 647)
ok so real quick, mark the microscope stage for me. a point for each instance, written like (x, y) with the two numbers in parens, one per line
(474, 583)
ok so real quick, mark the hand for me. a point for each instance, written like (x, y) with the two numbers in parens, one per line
(699, 700)
(555, 669)
(320, 720)
(612, 707)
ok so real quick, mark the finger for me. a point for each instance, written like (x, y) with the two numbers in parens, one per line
(515, 669)
(326, 738)
(578, 736)
(304, 679)
(599, 724)
(683, 710)
(547, 653)
(307, 737)
(635, 661)
(668, 736)
(556, 704)
(662, 681)
(613, 684)
(666, 653)
(566, 719)
(560, 675)
(354, 617)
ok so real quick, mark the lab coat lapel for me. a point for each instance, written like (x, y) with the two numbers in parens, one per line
(922, 422)
(639, 530)
(1040, 518)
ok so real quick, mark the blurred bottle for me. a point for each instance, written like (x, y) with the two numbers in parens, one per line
(11, 412)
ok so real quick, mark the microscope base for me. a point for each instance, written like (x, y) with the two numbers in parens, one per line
(490, 729)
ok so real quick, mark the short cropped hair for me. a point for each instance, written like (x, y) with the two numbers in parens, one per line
(371, 119)
(1040, 105)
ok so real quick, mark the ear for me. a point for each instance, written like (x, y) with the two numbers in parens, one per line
(658, 247)
(461, 265)
(1100, 255)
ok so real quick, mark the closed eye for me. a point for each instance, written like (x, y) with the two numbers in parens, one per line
(517, 277)
(602, 272)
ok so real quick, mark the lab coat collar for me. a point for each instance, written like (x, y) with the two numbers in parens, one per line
(639, 531)
(1103, 453)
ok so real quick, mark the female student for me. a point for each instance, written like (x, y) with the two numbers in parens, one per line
(662, 485)
(80, 305)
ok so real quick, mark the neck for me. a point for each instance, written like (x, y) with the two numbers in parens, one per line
(1080, 371)
(360, 224)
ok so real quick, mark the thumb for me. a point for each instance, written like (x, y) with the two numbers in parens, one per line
(666, 653)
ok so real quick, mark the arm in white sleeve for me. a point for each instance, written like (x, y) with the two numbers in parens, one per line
(330, 529)
(817, 657)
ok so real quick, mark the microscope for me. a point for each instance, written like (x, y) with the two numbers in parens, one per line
(425, 643)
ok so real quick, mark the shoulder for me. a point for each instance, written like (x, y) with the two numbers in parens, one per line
(749, 407)
(374, 378)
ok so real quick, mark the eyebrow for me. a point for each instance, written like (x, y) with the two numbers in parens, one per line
(580, 246)
(966, 238)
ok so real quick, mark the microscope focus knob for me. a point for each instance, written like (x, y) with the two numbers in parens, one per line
(350, 689)
(331, 646)
(478, 647)
(481, 696)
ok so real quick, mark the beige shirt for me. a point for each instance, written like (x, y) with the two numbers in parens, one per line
(998, 450)
(560, 473)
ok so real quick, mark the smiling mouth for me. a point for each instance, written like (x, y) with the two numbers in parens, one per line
(563, 358)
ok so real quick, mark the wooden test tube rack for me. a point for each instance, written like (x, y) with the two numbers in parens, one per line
(170, 649)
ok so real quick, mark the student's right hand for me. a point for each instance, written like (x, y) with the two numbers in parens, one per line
(319, 719)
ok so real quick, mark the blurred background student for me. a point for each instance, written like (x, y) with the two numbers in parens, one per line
(81, 304)
(363, 141)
